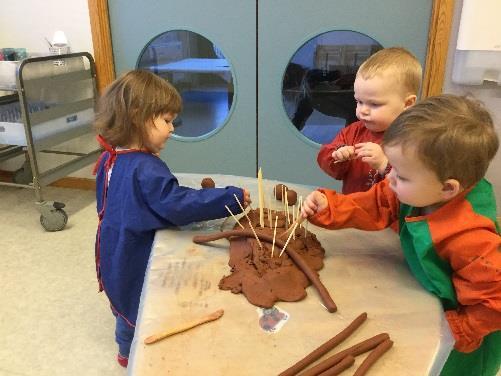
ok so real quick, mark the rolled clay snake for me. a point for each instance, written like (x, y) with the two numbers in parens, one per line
(298, 260)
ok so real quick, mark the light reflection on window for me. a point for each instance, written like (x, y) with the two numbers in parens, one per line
(317, 87)
(200, 72)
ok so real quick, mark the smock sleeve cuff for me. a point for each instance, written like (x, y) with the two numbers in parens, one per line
(464, 343)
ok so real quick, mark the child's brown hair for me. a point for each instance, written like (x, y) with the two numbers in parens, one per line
(453, 136)
(128, 103)
(401, 64)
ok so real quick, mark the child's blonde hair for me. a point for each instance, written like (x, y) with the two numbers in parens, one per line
(453, 136)
(402, 65)
(131, 101)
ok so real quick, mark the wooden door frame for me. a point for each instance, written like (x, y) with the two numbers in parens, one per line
(101, 40)
(434, 69)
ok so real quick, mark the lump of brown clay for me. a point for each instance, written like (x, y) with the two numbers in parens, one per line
(263, 279)
(291, 197)
(291, 194)
(278, 189)
(208, 183)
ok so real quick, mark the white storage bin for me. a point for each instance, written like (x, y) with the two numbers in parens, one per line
(8, 74)
(475, 67)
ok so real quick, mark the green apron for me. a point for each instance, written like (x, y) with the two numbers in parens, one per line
(435, 276)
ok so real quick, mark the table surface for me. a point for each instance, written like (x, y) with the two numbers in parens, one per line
(364, 272)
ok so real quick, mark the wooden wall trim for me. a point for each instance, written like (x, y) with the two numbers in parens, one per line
(101, 40)
(84, 184)
(438, 46)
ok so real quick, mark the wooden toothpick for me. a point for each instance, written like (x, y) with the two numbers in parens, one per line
(273, 198)
(287, 219)
(298, 221)
(288, 240)
(299, 208)
(283, 198)
(235, 218)
(274, 235)
(250, 223)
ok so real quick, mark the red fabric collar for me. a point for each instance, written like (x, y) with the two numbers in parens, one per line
(113, 153)
(108, 148)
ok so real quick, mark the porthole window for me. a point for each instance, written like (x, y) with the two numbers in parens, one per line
(202, 75)
(317, 87)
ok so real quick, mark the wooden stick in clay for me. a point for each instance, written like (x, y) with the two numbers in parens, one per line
(298, 221)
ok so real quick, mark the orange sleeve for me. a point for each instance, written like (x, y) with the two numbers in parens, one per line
(476, 276)
(372, 210)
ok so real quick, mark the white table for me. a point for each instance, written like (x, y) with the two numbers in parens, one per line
(364, 272)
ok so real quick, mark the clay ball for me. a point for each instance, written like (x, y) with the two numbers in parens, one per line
(208, 183)
(278, 191)
(291, 197)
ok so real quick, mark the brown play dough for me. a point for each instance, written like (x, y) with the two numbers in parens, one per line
(291, 197)
(208, 183)
(278, 189)
(265, 280)
(346, 363)
(373, 357)
(291, 194)
(325, 347)
(354, 350)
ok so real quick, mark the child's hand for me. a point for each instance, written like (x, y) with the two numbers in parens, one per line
(247, 199)
(314, 203)
(344, 153)
(372, 154)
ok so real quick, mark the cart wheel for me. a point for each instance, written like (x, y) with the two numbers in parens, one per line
(55, 221)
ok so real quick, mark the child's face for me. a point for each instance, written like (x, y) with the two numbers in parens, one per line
(379, 101)
(413, 182)
(159, 131)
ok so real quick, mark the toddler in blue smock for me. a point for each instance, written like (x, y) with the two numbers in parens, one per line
(137, 193)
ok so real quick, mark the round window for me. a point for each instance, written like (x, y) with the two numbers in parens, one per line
(200, 72)
(317, 88)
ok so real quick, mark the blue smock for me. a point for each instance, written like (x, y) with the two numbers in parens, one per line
(142, 197)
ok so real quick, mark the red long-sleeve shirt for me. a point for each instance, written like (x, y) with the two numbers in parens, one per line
(357, 176)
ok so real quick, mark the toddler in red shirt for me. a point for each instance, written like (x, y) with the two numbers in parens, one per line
(386, 84)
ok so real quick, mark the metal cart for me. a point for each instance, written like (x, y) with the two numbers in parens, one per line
(48, 119)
